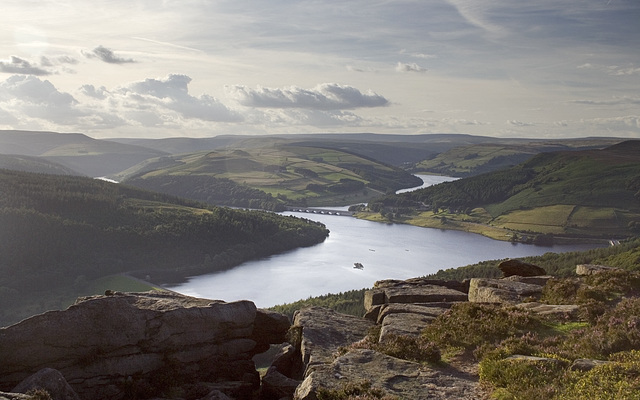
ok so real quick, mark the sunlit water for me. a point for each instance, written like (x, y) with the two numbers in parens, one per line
(387, 251)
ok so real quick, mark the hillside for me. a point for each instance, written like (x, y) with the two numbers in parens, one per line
(463, 161)
(34, 164)
(76, 151)
(270, 175)
(61, 234)
(591, 193)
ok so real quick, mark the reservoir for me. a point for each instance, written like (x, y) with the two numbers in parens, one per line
(386, 251)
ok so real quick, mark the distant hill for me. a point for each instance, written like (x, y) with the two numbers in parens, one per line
(87, 156)
(61, 233)
(479, 158)
(271, 173)
(594, 193)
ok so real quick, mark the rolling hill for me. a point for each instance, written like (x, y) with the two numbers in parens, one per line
(274, 173)
(87, 156)
(590, 193)
(34, 164)
(475, 159)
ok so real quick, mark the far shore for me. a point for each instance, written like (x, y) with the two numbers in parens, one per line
(492, 232)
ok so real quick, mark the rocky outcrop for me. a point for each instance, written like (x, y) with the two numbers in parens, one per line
(399, 378)
(516, 267)
(324, 331)
(108, 346)
(406, 307)
(591, 269)
(503, 291)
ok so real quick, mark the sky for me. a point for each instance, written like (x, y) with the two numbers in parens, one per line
(202, 68)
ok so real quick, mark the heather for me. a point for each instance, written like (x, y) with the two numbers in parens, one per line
(500, 337)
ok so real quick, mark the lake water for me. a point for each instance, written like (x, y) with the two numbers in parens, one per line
(387, 251)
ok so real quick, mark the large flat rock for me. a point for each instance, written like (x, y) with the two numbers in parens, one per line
(324, 331)
(405, 324)
(401, 308)
(503, 291)
(423, 294)
(396, 377)
(102, 341)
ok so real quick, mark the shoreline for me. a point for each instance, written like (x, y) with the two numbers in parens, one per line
(489, 231)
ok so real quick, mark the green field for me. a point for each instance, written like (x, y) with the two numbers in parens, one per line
(294, 175)
(580, 194)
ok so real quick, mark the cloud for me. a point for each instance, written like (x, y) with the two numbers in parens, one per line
(21, 66)
(520, 123)
(35, 98)
(616, 101)
(624, 123)
(46, 66)
(162, 103)
(326, 96)
(107, 55)
(412, 67)
(623, 71)
(90, 90)
(172, 93)
(303, 117)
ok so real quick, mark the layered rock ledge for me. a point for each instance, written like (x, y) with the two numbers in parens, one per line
(108, 346)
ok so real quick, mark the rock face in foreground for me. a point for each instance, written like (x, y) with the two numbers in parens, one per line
(108, 346)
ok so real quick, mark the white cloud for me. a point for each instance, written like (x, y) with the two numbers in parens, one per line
(99, 93)
(107, 55)
(46, 65)
(326, 96)
(35, 98)
(172, 93)
(615, 101)
(19, 65)
(520, 123)
(411, 67)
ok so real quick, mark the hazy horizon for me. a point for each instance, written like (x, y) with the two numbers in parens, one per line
(147, 69)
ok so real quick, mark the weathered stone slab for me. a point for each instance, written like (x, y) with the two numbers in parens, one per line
(401, 308)
(423, 294)
(560, 311)
(585, 365)
(405, 324)
(532, 280)
(373, 297)
(455, 285)
(590, 269)
(483, 290)
(520, 268)
(396, 377)
(324, 331)
(532, 359)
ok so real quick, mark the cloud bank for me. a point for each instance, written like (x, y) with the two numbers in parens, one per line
(326, 96)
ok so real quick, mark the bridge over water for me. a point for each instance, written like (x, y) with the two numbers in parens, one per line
(309, 210)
